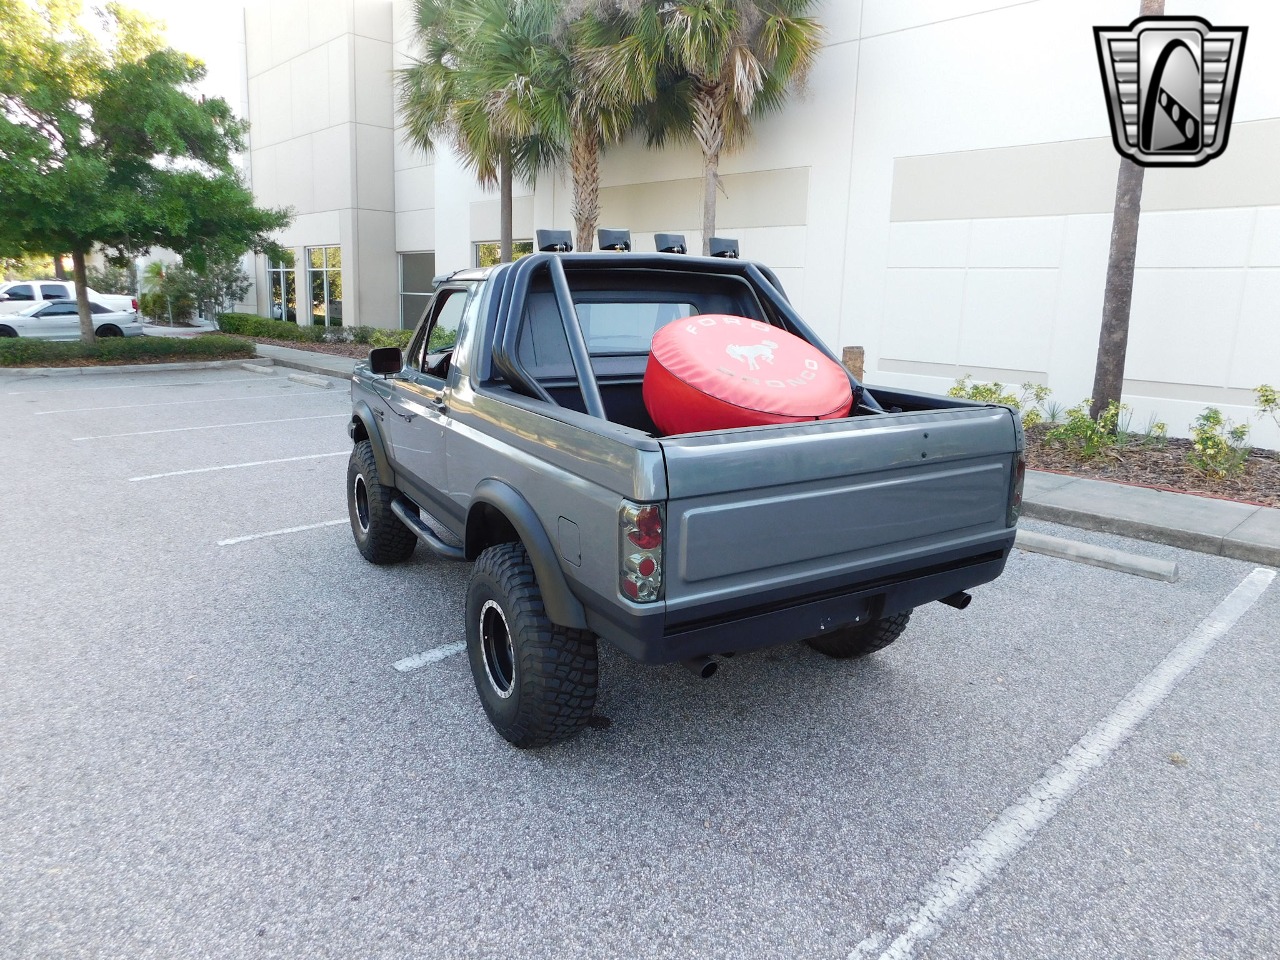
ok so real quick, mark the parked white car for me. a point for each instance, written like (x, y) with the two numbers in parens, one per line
(60, 320)
(16, 295)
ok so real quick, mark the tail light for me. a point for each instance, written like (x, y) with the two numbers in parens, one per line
(1015, 488)
(640, 551)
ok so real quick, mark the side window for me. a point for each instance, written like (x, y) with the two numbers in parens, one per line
(22, 291)
(98, 308)
(62, 308)
(52, 291)
(443, 332)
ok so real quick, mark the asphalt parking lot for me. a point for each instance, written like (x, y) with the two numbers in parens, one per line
(206, 748)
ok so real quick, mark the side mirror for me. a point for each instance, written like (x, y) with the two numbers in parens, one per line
(385, 360)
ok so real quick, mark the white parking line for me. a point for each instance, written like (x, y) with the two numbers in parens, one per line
(956, 884)
(278, 533)
(433, 655)
(133, 386)
(237, 466)
(178, 403)
(209, 426)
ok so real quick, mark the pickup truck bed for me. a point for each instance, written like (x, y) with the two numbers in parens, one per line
(527, 431)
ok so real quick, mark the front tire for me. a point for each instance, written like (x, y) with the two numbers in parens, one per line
(849, 643)
(380, 536)
(537, 680)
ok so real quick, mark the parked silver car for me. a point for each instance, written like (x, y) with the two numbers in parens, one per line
(60, 320)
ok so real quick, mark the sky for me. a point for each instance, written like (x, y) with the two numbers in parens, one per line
(212, 31)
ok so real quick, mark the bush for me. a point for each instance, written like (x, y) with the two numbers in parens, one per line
(1085, 437)
(1219, 448)
(1029, 403)
(25, 352)
(390, 338)
(252, 325)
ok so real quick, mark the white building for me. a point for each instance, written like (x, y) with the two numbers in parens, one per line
(940, 194)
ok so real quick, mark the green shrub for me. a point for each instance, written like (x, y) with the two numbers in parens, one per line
(390, 338)
(1029, 403)
(1085, 437)
(361, 334)
(1219, 448)
(25, 352)
(1268, 402)
(252, 325)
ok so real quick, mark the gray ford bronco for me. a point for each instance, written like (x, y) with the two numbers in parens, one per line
(513, 434)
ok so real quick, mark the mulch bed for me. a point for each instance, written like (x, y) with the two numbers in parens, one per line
(353, 350)
(1163, 467)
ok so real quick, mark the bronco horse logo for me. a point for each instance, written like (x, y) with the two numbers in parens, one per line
(763, 350)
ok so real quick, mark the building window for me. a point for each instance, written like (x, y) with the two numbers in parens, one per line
(416, 273)
(324, 277)
(284, 291)
(487, 253)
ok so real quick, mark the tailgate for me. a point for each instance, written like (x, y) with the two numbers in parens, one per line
(754, 512)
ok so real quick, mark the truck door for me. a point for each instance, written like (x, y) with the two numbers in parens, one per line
(420, 400)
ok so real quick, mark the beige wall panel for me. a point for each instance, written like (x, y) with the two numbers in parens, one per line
(944, 374)
(312, 230)
(373, 19)
(1170, 239)
(1017, 243)
(327, 20)
(378, 269)
(309, 86)
(922, 314)
(374, 100)
(415, 231)
(929, 243)
(1183, 325)
(1245, 175)
(257, 31)
(1037, 180)
(486, 222)
(288, 29)
(1256, 358)
(1078, 313)
(375, 176)
(1007, 319)
(330, 168)
(769, 198)
(1265, 251)
(889, 16)
(339, 89)
(415, 189)
(296, 189)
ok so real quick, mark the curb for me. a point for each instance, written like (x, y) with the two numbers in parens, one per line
(19, 373)
(305, 366)
(1095, 556)
(311, 380)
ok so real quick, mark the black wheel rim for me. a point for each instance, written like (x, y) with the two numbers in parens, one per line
(498, 650)
(360, 496)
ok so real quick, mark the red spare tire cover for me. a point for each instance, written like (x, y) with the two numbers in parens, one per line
(713, 372)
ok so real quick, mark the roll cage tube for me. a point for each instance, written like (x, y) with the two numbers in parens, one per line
(515, 293)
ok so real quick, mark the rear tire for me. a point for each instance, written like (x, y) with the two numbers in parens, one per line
(8, 332)
(108, 330)
(380, 536)
(537, 680)
(849, 643)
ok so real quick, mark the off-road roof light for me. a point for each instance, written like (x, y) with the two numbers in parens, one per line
(555, 241)
(670, 243)
(724, 247)
(617, 240)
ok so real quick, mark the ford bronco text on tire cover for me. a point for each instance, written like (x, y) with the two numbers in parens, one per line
(514, 433)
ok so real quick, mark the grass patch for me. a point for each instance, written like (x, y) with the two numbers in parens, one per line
(24, 352)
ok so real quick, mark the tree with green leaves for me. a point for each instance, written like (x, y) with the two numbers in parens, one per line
(103, 145)
(728, 61)
(472, 87)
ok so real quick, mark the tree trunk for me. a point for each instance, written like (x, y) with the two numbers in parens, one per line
(59, 271)
(709, 101)
(82, 297)
(584, 160)
(505, 204)
(1113, 338)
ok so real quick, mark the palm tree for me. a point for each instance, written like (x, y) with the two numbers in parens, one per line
(1113, 338)
(737, 58)
(473, 87)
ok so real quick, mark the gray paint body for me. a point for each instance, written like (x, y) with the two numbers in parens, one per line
(770, 533)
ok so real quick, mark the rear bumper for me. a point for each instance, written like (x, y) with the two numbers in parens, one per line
(649, 638)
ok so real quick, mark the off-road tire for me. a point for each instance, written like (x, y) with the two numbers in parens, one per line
(849, 643)
(550, 673)
(380, 536)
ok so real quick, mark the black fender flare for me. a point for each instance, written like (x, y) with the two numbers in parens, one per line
(561, 605)
(364, 414)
